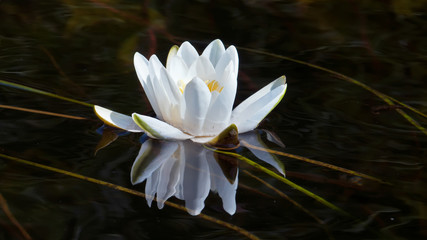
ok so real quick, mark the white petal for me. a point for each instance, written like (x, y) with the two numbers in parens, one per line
(154, 66)
(196, 178)
(201, 68)
(168, 179)
(253, 138)
(172, 53)
(177, 68)
(170, 86)
(116, 119)
(214, 51)
(163, 97)
(219, 113)
(204, 69)
(254, 109)
(151, 187)
(142, 71)
(230, 55)
(148, 160)
(202, 139)
(141, 66)
(197, 98)
(234, 57)
(222, 185)
(218, 116)
(188, 53)
(159, 129)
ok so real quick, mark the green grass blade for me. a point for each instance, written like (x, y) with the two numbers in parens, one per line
(282, 179)
(130, 191)
(282, 194)
(12, 219)
(42, 112)
(327, 165)
(41, 92)
(389, 100)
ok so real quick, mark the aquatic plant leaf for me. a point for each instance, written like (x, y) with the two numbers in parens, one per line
(129, 191)
(282, 179)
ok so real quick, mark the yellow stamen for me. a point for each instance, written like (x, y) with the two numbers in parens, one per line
(213, 85)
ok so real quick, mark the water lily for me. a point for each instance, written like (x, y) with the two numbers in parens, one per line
(193, 95)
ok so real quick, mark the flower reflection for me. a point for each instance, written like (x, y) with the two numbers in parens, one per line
(189, 171)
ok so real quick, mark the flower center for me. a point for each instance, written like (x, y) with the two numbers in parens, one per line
(213, 85)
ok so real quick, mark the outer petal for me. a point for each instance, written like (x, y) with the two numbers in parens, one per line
(170, 86)
(254, 109)
(116, 119)
(158, 129)
(142, 71)
(214, 51)
(197, 98)
(163, 96)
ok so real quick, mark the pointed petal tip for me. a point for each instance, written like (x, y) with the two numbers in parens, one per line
(283, 78)
(172, 52)
(248, 114)
(138, 56)
(116, 119)
(218, 41)
(159, 129)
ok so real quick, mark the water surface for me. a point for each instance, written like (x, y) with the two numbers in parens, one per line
(84, 49)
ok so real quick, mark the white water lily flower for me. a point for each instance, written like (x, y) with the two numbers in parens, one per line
(193, 95)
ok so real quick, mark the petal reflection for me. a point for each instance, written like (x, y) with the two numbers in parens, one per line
(185, 170)
(189, 171)
(254, 138)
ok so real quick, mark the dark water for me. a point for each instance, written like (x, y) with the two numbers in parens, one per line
(84, 49)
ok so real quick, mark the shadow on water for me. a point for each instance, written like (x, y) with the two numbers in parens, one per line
(344, 143)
